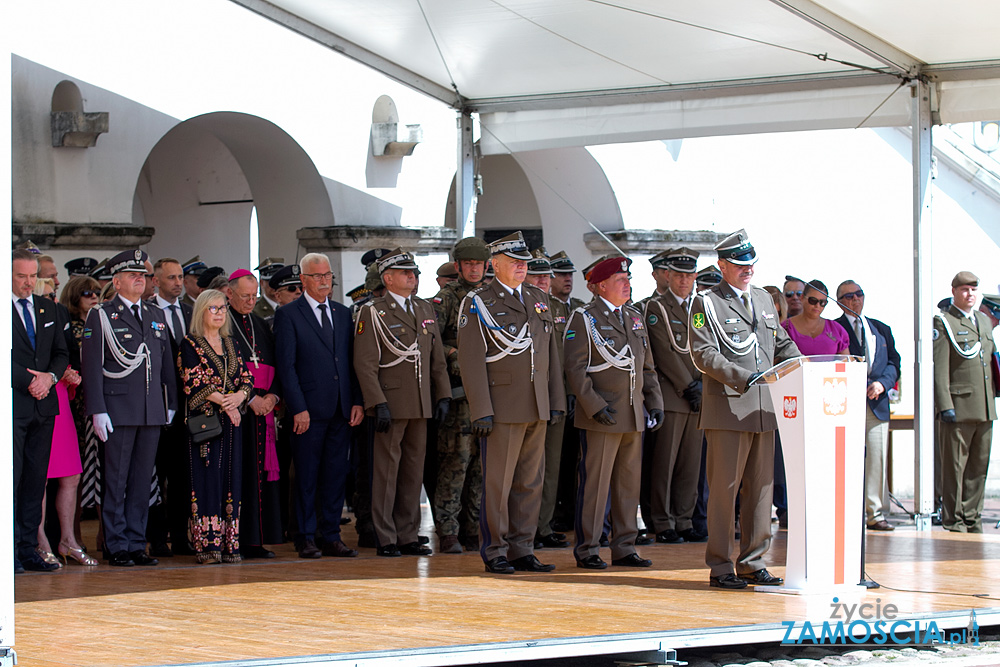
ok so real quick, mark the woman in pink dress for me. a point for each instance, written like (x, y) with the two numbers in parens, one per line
(811, 332)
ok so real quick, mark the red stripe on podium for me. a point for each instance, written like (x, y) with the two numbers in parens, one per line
(841, 368)
(840, 497)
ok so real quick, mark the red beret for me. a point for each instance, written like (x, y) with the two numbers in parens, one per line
(608, 268)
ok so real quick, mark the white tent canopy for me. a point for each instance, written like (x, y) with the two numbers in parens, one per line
(551, 73)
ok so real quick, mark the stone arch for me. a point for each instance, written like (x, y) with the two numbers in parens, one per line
(203, 177)
(66, 97)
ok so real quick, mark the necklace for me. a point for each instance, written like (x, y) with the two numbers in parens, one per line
(251, 342)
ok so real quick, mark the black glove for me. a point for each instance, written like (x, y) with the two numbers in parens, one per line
(556, 416)
(656, 417)
(604, 417)
(383, 420)
(692, 394)
(750, 381)
(441, 409)
(481, 428)
(948, 416)
(570, 406)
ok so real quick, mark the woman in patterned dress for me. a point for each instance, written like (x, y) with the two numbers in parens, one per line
(216, 382)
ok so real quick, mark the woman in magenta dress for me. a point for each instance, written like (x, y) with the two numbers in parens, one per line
(811, 332)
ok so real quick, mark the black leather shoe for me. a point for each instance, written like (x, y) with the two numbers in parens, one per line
(558, 536)
(669, 536)
(692, 535)
(18, 568)
(530, 564)
(121, 559)
(499, 565)
(256, 552)
(762, 578)
(309, 550)
(389, 551)
(592, 563)
(550, 541)
(727, 581)
(339, 550)
(632, 560)
(423, 539)
(415, 549)
(642, 539)
(142, 558)
(604, 541)
(35, 563)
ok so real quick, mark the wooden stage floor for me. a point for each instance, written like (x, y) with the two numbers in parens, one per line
(180, 612)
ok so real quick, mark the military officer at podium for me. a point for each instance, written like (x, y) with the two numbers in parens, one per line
(513, 380)
(965, 398)
(735, 336)
(130, 387)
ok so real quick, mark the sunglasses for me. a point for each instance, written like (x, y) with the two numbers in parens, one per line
(215, 310)
(789, 295)
(293, 288)
(813, 301)
(88, 293)
(853, 295)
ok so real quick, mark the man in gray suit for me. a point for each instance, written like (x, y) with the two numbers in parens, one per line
(735, 336)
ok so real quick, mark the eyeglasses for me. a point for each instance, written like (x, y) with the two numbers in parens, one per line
(813, 301)
(789, 295)
(215, 310)
(319, 276)
(88, 293)
(293, 288)
(853, 295)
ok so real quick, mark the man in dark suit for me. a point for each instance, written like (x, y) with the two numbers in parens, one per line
(872, 340)
(130, 387)
(170, 517)
(39, 357)
(314, 346)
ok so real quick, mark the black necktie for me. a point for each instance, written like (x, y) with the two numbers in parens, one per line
(325, 324)
(135, 311)
(175, 324)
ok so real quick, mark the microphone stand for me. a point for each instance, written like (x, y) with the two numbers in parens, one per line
(867, 583)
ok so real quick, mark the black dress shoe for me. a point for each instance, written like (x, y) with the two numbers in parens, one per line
(604, 541)
(530, 564)
(339, 550)
(142, 558)
(256, 552)
(762, 578)
(727, 581)
(642, 539)
(632, 560)
(415, 549)
(121, 559)
(499, 565)
(389, 551)
(669, 536)
(18, 568)
(35, 563)
(592, 563)
(423, 539)
(309, 550)
(550, 541)
(692, 535)
(558, 536)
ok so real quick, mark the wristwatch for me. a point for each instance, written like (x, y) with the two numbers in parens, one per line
(54, 378)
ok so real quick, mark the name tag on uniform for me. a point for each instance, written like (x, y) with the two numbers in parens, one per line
(735, 319)
(395, 326)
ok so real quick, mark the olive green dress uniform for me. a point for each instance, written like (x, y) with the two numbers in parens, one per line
(263, 309)
(739, 427)
(411, 388)
(610, 456)
(460, 473)
(677, 450)
(518, 391)
(963, 382)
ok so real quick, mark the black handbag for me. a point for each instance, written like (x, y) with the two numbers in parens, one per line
(204, 427)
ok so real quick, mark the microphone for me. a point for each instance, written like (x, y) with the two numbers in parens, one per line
(813, 287)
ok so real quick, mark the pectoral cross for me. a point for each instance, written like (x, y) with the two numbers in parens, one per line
(254, 358)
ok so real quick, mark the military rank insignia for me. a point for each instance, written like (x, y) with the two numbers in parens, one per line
(698, 320)
(361, 326)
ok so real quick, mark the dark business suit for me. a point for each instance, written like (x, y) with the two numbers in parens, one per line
(884, 369)
(33, 419)
(137, 408)
(317, 375)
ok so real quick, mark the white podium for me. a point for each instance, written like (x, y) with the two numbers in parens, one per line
(820, 404)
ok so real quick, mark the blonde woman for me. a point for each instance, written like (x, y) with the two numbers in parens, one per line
(216, 383)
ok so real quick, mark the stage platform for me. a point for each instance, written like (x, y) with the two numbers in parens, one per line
(445, 610)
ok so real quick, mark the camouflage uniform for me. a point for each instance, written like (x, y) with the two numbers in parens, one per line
(460, 473)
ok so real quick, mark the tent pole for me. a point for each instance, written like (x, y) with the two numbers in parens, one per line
(465, 208)
(923, 367)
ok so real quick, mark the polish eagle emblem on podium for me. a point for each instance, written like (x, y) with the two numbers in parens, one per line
(834, 396)
(790, 406)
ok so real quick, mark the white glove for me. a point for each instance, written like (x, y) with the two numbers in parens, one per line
(102, 426)
(170, 416)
